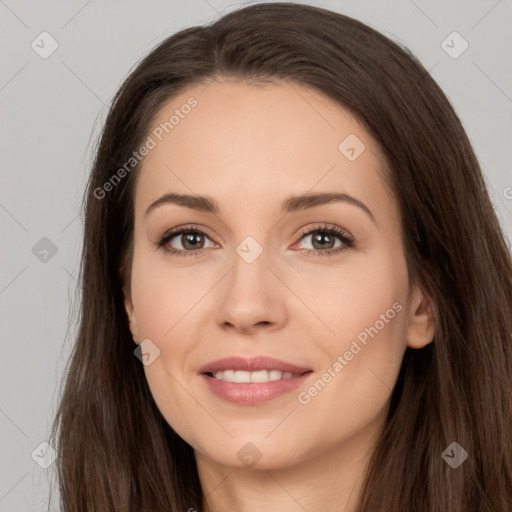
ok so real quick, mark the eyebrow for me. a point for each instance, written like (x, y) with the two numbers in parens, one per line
(291, 204)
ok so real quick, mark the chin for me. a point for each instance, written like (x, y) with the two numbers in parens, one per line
(253, 455)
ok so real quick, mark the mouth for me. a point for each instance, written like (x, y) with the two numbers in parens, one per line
(252, 381)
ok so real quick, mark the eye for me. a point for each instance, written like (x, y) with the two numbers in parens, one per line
(189, 239)
(323, 239)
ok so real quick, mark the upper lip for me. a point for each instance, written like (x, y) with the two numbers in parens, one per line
(251, 365)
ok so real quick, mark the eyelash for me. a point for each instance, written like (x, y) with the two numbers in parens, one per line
(347, 240)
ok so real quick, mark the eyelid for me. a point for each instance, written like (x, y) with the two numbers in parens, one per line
(178, 230)
(325, 226)
(186, 227)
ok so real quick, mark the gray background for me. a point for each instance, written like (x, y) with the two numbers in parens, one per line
(52, 110)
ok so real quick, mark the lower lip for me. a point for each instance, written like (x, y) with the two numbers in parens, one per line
(252, 393)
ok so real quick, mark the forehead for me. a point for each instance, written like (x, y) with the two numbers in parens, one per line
(257, 140)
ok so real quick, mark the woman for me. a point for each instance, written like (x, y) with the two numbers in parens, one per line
(295, 290)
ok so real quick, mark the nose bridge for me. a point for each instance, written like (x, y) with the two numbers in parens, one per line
(250, 296)
(249, 269)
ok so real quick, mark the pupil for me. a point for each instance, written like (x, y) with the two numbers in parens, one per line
(189, 239)
(323, 236)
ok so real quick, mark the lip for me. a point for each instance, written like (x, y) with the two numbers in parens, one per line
(252, 393)
(251, 365)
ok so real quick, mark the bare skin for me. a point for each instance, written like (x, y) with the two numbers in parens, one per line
(250, 147)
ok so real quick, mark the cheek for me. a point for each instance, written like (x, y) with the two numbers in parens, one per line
(161, 295)
(163, 301)
(363, 297)
(366, 310)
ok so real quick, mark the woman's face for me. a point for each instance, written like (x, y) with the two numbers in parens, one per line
(261, 276)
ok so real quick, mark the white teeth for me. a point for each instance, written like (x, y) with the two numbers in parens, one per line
(275, 375)
(260, 376)
(228, 375)
(242, 376)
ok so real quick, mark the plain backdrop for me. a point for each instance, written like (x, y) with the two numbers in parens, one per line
(52, 110)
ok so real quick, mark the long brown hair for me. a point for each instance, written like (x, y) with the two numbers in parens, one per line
(117, 452)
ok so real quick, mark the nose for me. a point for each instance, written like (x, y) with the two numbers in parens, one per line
(252, 298)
